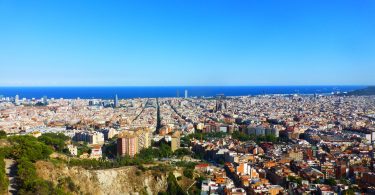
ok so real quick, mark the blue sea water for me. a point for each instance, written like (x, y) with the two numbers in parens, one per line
(152, 92)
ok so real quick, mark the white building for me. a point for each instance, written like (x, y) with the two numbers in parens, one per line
(73, 150)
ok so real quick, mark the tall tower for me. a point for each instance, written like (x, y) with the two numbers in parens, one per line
(127, 145)
(116, 104)
(186, 93)
(45, 100)
(17, 100)
(219, 102)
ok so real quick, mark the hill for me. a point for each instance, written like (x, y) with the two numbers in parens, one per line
(123, 180)
(43, 168)
(362, 92)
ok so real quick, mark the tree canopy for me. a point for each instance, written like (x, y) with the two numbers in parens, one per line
(57, 141)
(3, 134)
(28, 147)
(3, 178)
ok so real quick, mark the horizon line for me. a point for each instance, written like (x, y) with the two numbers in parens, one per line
(321, 85)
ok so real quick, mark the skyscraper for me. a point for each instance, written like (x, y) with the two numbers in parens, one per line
(144, 136)
(186, 93)
(131, 142)
(45, 100)
(116, 104)
(127, 145)
(220, 102)
(17, 100)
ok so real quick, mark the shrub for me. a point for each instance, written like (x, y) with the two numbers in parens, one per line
(3, 178)
(189, 173)
(3, 134)
(28, 147)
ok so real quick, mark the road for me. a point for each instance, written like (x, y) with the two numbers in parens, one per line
(144, 107)
(11, 171)
(190, 187)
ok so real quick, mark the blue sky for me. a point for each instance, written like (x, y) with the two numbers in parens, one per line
(187, 42)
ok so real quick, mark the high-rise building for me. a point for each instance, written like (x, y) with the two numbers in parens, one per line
(220, 102)
(175, 143)
(130, 142)
(144, 136)
(45, 100)
(127, 144)
(17, 100)
(116, 103)
(109, 133)
(186, 93)
(89, 137)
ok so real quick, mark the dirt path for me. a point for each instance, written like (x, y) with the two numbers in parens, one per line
(11, 170)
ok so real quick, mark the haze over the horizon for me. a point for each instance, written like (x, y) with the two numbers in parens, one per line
(187, 43)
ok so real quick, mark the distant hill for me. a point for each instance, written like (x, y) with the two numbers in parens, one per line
(366, 91)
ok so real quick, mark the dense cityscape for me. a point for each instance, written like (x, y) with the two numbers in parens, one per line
(187, 97)
(266, 144)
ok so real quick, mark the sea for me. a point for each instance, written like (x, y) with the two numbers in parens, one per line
(171, 91)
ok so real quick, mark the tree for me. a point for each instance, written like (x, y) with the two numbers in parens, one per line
(3, 178)
(271, 138)
(185, 140)
(173, 187)
(26, 172)
(259, 138)
(28, 147)
(26, 150)
(189, 173)
(189, 165)
(295, 180)
(165, 150)
(348, 192)
(344, 181)
(3, 134)
(148, 154)
(182, 152)
(205, 136)
(241, 136)
(56, 140)
(110, 149)
(84, 148)
(330, 181)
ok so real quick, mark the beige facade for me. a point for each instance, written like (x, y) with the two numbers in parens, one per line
(175, 143)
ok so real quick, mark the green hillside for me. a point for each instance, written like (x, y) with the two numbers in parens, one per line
(361, 92)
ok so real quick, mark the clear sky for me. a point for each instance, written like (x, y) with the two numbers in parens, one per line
(187, 42)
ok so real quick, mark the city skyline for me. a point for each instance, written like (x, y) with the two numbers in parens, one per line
(179, 97)
(176, 43)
